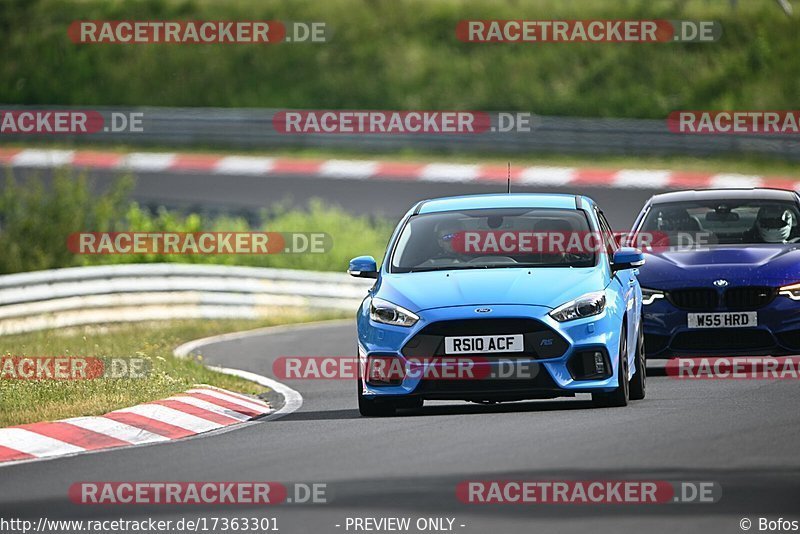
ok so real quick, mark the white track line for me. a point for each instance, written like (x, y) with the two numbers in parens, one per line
(292, 400)
(36, 445)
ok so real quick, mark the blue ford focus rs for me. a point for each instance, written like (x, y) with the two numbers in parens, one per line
(529, 321)
(722, 273)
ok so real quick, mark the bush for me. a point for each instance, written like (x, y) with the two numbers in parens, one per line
(36, 221)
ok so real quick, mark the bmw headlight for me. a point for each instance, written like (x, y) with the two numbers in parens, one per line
(383, 311)
(650, 295)
(791, 291)
(584, 306)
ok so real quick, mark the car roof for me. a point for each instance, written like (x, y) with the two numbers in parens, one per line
(504, 200)
(761, 193)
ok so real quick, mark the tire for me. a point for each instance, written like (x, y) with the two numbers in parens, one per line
(638, 386)
(374, 408)
(619, 397)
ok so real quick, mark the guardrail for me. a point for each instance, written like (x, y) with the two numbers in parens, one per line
(160, 291)
(253, 128)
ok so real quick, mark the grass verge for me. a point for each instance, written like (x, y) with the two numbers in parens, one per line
(30, 401)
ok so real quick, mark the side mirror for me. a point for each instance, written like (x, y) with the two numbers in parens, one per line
(363, 267)
(627, 258)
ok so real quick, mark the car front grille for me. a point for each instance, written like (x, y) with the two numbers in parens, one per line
(790, 338)
(694, 298)
(735, 298)
(748, 298)
(540, 341)
(655, 343)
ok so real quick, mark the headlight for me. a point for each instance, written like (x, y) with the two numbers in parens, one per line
(792, 291)
(584, 306)
(383, 311)
(650, 295)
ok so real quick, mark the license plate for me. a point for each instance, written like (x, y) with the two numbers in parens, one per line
(483, 344)
(723, 320)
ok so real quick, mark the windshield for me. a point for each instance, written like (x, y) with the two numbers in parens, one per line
(493, 238)
(722, 222)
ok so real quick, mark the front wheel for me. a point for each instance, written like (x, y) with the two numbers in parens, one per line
(618, 397)
(639, 380)
(374, 408)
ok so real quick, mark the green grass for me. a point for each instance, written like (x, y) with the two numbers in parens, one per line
(29, 401)
(403, 54)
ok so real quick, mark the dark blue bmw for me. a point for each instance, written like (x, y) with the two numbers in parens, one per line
(722, 274)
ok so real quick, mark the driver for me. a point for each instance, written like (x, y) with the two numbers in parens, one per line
(676, 220)
(446, 233)
(774, 224)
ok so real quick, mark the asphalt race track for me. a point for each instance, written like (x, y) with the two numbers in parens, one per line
(739, 434)
(391, 198)
(743, 435)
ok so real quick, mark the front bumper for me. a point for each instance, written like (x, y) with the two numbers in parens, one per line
(666, 331)
(549, 348)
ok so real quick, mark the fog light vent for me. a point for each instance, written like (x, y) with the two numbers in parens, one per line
(599, 363)
(589, 365)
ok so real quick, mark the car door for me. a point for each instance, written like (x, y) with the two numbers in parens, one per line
(625, 282)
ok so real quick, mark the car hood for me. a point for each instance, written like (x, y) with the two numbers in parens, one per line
(743, 265)
(544, 286)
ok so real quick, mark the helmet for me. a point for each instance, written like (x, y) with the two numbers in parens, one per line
(673, 220)
(446, 233)
(774, 224)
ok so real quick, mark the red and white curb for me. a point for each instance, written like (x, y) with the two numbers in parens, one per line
(196, 411)
(543, 176)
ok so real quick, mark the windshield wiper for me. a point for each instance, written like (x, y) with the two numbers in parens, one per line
(496, 266)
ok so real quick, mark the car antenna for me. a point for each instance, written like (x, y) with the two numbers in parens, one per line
(509, 177)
